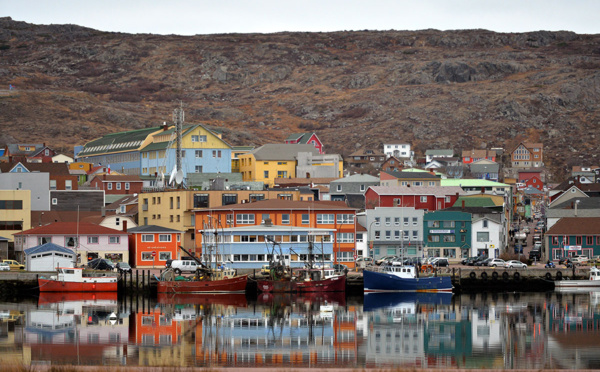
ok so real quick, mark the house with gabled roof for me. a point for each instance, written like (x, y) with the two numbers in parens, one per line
(59, 176)
(88, 240)
(576, 207)
(28, 153)
(117, 184)
(438, 153)
(305, 138)
(573, 236)
(398, 150)
(49, 256)
(485, 169)
(271, 161)
(352, 189)
(429, 198)
(366, 157)
(202, 151)
(392, 164)
(527, 155)
(470, 156)
(414, 179)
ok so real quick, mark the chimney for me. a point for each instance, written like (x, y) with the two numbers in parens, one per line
(165, 126)
(124, 225)
(104, 176)
(268, 222)
(103, 209)
(463, 205)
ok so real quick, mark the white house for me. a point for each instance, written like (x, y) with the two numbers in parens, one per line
(47, 257)
(486, 237)
(60, 158)
(398, 150)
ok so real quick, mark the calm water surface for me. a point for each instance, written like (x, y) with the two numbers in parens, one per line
(516, 330)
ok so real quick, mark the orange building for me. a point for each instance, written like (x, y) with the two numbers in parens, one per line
(292, 223)
(151, 246)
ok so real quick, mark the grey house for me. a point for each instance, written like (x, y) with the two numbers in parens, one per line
(485, 170)
(352, 189)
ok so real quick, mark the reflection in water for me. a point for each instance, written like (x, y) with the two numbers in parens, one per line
(411, 330)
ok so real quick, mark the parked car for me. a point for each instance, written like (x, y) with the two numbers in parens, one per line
(123, 267)
(383, 259)
(440, 262)
(183, 265)
(101, 264)
(526, 230)
(535, 254)
(4, 266)
(537, 246)
(14, 265)
(468, 261)
(364, 261)
(496, 262)
(483, 262)
(580, 260)
(515, 264)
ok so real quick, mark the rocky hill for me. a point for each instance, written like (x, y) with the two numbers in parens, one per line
(453, 89)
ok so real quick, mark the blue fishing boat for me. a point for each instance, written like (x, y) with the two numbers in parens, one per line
(396, 277)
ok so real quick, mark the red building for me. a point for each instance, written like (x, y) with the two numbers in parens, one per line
(151, 246)
(29, 153)
(305, 138)
(427, 198)
(117, 184)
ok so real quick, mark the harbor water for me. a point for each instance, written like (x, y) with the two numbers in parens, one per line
(404, 330)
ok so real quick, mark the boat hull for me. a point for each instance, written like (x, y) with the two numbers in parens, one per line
(231, 285)
(335, 284)
(382, 282)
(577, 284)
(50, 285)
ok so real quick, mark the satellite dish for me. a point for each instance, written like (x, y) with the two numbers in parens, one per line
(179, 177)
(173, 174)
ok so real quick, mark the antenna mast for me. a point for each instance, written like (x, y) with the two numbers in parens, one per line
(178, 118)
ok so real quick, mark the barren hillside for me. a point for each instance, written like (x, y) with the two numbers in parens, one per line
(458, 89)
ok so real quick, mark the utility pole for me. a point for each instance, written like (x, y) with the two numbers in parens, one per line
(178, 118)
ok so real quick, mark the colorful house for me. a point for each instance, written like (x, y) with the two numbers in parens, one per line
(573, 236)
(293, 223)
(447, 234)
(527, 155)
(416, 179)
(150, 246)
(15, 214)
(470, 156)
(425, 197)
(88, 240)
(28, 153)
(117, 184)
(305, 138)
(60, 177)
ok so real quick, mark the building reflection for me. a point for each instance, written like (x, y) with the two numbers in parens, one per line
(508, 331)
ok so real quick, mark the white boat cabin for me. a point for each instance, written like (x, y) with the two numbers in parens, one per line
(400, 270)
(315, 274)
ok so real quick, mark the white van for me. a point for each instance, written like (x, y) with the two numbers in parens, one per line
(184, 265)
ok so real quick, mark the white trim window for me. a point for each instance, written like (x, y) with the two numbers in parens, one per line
(346, 219)
(423, 199)
(147, 238)
(109, 185)
(325, 219)
(285, 219)
(345, 237)
(127, 185)
(114, 239)
(164, 238)
(245, 219)
(118, 184)
(93, 240)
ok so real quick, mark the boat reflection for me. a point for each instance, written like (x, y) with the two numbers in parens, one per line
(379, 300)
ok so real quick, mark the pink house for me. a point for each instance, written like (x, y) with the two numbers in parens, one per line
(88, 240)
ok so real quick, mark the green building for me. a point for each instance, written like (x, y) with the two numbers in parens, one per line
(447, 234)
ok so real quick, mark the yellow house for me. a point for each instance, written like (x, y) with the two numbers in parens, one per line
(236, 152)
(272, 161)
(174, 209)
(15, 212)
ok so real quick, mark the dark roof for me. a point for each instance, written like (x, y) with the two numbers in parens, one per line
(277, 151)
(571, 181)
(412, 175)
(117, 142)
(584, 203)
(52, 168)
(472, 210)
(273, 204)
(46, 217)
(152, 229)
(13, 148)
(48, 247)
(576, 226)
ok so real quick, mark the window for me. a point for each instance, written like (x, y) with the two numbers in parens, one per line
(148, 238)
(266, 174)
(449, 238)
(346, 219)
(397, 221)
(483, 236)
(285, 219)
(433, 223)
(415, 221)
(397, 234)
(377, 220)
(431, 183)
(405, 221)
(388, 221)
(415, 235)
(305, 219)
(163, 256)
(147, 256)
(118, 184)
(114, 239)
(228, 199)
(164, 237)
(449, 224)
(423, 199)
(198, 153)
(377, 234)
(325, 219)
(555, 240)
(68, 185)
(433, 238)
(589, 240)
(70, 241)
(359, 237)
(345, 237)
(11, 204)
(214, 153)
(109, 185)
(198, 168)
(485, 224)
(92, 240)
(388, 235)
(52, 184)
(244, 218)
(578, 240)
(362, 188)
(127, 185)
(281, 174)
(200, 200)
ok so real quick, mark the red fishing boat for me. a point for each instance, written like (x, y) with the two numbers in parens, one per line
(73, 279)
(305, 280)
